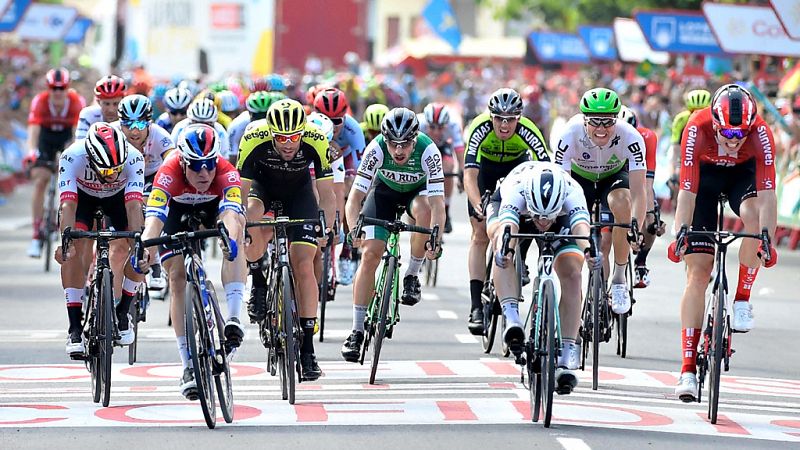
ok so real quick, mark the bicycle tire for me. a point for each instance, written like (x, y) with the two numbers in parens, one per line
(490, 320)
(598, 298)
(533, 363)
(622, 335)
(92, 317)
(135, 324)
(196, 338)
(548, 370)
(291, 349)
(107, 336)
(222, 370)
(715, 362)
(50, 225)
(386, 302)
(323, 291)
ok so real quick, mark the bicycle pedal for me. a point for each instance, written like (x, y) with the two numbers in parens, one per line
(78, 357)
(519, 359)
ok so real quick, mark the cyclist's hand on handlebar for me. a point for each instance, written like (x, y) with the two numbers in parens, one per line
(354, 241)
(773, 256)
(593, 262)
(434, 253)
(657, 229)
(674, 253)
(60, 254)
(502, 261)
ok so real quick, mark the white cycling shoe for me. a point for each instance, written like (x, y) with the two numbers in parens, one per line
(742, 316)
(35, 248)
(568, 361)
(75, 344)
(620, 298)
(686, 390)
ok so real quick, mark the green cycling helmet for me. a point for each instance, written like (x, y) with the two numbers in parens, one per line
(373, 116)
(259, 102)
(697, 99)
(600, 101)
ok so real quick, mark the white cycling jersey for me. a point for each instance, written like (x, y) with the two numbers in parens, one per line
(575, 152)
(89, 115)
(236, 131)
(74, 173)
(512, 195)
(155, 148)
(222, 136)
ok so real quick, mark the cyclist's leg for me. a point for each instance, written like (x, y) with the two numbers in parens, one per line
(234, 274)
(568, 266)
(420, 214)
(505, 279)
(448, 165)
(641, 272)
(74, 273)
(619, 201)
(259, 236)
(745, 203)
(41, 172)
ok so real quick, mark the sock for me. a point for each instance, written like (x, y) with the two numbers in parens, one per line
(307, 324)
(234, 293)
(475, 289)
(689, 339)
(183, 351)
(129, 288)
(619, 273)
(641, 257)
(257, 273)
(37, 225)
(359, 313)
(75, 315)
(414, 266)
(747, 277)
(510, 307)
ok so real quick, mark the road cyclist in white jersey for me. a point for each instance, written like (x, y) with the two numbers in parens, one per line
(257, 104)
(176, 102)
(205, 111)
(607, 158)
(108, 92)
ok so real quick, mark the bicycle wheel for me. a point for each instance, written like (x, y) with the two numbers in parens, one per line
(386, 302)
(490, 319)
(548, 366)
(288, 330)
(598, 298)
(222, 370)
(533, 362)
(135, 324)
(717, 352)
(92, 315)
(49, 223)
(197, 340)
(106, 333)
(323, 291)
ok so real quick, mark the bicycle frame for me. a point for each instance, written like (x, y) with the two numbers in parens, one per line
(373, 309)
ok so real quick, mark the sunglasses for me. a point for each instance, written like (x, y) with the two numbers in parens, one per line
(604, 122)
(502, 118)
(179, 112)
(57, 88)
(337, 121)
(283, 138)
(134, 124)
(400, 144)
(105, 173)
(733, 133)
(197, 165)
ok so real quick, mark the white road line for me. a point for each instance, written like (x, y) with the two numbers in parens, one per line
(337, 334)
(445, 314)
(573, 444)
(467, 339)
(430, 297)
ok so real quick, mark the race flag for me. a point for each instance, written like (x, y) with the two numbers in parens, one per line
(441, 19)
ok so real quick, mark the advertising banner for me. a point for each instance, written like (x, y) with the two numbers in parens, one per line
(559, 47)
(14, 9)
(788, 12)
(678, 32)
(78, 30)
(749, 29)
(46, 22)
(599, 40)
(631, 44)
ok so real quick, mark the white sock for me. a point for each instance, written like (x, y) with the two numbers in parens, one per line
(74, 296)
(359, 313)
(183, 351)
(234, 293)
(510, 307)
(414, 266)
(129, 286)
(619, 273)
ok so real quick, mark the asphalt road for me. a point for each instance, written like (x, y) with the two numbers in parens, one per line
(436, 388)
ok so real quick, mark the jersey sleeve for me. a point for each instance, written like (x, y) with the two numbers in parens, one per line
(434, 173)
(692, 142)
(69, 168)
(83, 124)
(575, 204)
(76, 105)
(477, 133)
(320, 145)
(563, 152)
(651, 148)
(533, 138)
(512, 203)
(765, 158)
(635, 148)
(35, 115)
(368, 169)
(231, 187)
(678, 125)
(249, 144)
(134, 173)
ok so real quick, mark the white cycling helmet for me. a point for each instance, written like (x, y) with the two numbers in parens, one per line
(177, 99)
(323, 123)
(228, 102)
(203, 111)
(545, 191)
(626, 114)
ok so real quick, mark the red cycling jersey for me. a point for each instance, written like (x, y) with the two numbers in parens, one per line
(651, 147)
(44, 113)
(699, 146)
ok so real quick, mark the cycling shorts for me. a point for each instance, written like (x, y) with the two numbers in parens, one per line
(491, 173)
(298, 204)
(50, 144)
(599, 190)
(113, 208)
(385, 203)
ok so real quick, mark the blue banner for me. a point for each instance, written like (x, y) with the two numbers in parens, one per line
(78, 30)
(441, 19)
(599, 40)
(13, 15)
(559, 47)
(678, 32)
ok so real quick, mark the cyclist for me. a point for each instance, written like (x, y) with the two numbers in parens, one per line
(229, 104)
(726, 149)
(650, 228)
(136, 123)
(373, 116)
(100, 172)
(176, 103)
(695, 100)
(274, 164)
(595, 148)
(497, 141)
(405, 168)
(348, 141)
(542, 195)
(257, 105)
(436, 122)
(204, 111)
(53, 116)
(198, 179)
(108, 92)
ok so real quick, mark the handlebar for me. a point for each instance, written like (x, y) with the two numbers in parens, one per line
(285, 222)
(723, 237)
(547, 236)
(182, 236)
(69, 235)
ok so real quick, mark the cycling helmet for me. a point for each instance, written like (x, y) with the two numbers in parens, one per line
(600, 101)
(177, 99)
(545, 190)
(323, 123)
(57, 78)
(312, 92)
(217, 86)
(505, 101)
(189, 85)
(276, 82)
(286, 116)
(626, 114)
(532, 93)
(203, 111)
(110, 86)
(332, 102)
(259, 84)
(228, 102)
(159, 90)
(258, 102)
(373, 116)
(198, 141)
(733, 107)
(136, 107)
(400, 124)
(697, 99)
(106, 147)
(436, 114)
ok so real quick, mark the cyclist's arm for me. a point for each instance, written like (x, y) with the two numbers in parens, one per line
(471, 186)
(639, 197)
(765, 180)
(34, 130)
(581, 229)
(327, 198)
(434, 174)
(685, 210)
(353, 207)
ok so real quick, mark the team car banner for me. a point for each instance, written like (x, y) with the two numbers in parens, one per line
(749, 29)
(599, 40)
(678, 32)
(559, 47)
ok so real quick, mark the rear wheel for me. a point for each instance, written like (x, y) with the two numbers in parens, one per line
(386, 301)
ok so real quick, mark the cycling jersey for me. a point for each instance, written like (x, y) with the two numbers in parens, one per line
(155, 148)
(352, 142)
(236, 130)
(678, 124)
(651, 148)
(367, 132)
(483, 144)
(452, 139)
(165, 122)
(88, 116)
(222, 135)
(577, 153)
(75, 174)
(44, 113)
(424, 167)
(699, 147)
(171, 185)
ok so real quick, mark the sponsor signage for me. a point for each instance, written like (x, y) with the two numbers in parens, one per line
(559, 47)
(788, 12)
(632, 45)
(749, 29)
(599, 40)
(678, 32)
(46, 22)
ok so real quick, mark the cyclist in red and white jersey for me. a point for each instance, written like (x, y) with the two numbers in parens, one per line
(726, 148)
(99, 172)
(51, 122)
(108, 92)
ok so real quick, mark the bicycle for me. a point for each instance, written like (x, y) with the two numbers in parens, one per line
(99, 326)
(327, 279)
(715, 353)
(204, 321)
(280, 332)
(49, 224)
(383, 309)
(138, 314)
(542, 322)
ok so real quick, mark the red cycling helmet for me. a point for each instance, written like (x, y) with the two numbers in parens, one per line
(733, 107)
(110, 86)
(57, 78)
(331, 102)
(532, 93)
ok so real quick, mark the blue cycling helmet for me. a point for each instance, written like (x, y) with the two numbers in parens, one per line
(135, 107)
(276, 82)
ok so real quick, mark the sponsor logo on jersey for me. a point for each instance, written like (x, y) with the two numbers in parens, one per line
(402, 177)
(691, 139)
(164, 179)
(434, 163)
(479, 134)
(257, 134)
(763, 137)
(233, 177)
(636, 151)
(561, 148)
(233, 194)
(166, 142)
(157, 199)
(586, 155)
(533, 140)
(614, 141)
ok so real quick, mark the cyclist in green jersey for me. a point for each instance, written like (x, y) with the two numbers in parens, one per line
(497, 141)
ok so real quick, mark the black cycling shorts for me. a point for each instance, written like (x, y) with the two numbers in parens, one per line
(593, 190)
(385, 203)
(50, 144)
(490, 173)
(113, 208)
(175, 223)
(298, 203)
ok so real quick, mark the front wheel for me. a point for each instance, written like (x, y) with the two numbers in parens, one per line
(106, 335)
(386, 301)
(715, 361)
(197, 340)
(288, 330)
(550, 340)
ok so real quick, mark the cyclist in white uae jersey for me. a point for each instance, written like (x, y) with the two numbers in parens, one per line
(602, 154)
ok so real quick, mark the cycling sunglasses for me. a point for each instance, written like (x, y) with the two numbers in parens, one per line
(284, 138)
(337, 121)
(108, 172)
(508, 118)
(134, 124)
(733, 133)
(400, 144)
(177, 112)
(197, 165)
(604, 122)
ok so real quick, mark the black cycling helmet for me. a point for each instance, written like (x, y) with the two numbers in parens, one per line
(400, 124)
(505, 101)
